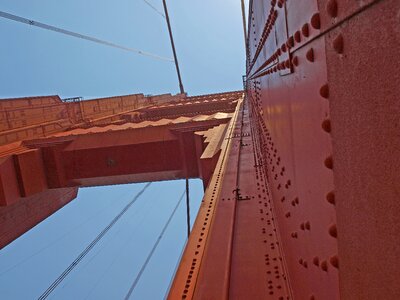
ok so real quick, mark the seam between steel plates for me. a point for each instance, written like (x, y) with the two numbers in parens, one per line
(272, 204)
(220, 165)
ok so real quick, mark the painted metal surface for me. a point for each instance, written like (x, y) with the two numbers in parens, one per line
(296, 146)
(234, 250)
(301, 176)
(364, 89)
(39, 175)
(330, 130)
(32, 117)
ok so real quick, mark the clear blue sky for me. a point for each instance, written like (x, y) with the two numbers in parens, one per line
(209, 41)
(208, 36)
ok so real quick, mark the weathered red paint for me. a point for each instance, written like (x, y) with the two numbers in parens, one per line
(330, 124)
(301, 176)
(234, 250)
(150, 147)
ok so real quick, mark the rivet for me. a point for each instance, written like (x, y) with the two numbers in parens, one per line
(297, 36)
(316, 21)
(329, 162)
(295, 61)
(305, 30)
(326, 125)
(330, 197)
(307, 225)
(324, 266)
(316, 261)
(283, 47)
(331, 8)
(338, 44)
(324, 91)
(111, 162)
(290, 42)
(333, 231)
(310, 55)
(334, 260)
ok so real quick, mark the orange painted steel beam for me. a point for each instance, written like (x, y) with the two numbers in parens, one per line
(31, 117)
(234, 251)
(124, 150)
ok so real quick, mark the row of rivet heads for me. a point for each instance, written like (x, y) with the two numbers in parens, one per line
(262, 176)
(315, 23)
(291, 43)
(273, 254)
(276, 276)
(211, 207)
(269, 24)
(324, 92)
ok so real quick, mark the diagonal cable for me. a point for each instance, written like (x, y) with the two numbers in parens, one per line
(154, 8)
(78, 259)
(80, 36)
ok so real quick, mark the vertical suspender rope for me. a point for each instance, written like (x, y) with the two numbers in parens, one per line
(139, 275)
(182, 90)
(245, 33)
(187, 207)
(244, 23)
(173, 47)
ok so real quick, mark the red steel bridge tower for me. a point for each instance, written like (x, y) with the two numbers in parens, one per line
(301, 169)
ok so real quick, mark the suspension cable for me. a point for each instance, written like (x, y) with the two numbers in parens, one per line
(78, 259)
(80, 36)
(142, 269)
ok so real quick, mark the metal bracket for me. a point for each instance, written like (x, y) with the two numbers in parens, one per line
(238, 196)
